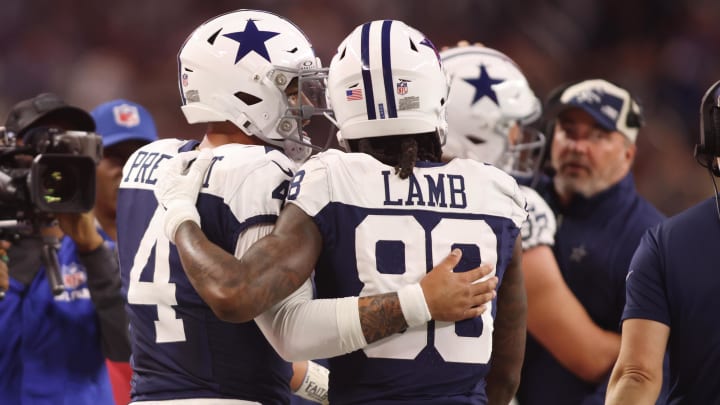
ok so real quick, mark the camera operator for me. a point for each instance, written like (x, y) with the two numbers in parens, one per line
(53, 347)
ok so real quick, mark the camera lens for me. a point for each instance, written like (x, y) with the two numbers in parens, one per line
(62, 183)
(58, 185)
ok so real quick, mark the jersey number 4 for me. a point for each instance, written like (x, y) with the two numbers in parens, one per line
(160, 291)
(468, 341)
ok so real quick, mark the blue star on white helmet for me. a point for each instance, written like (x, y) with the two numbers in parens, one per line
(251, 40)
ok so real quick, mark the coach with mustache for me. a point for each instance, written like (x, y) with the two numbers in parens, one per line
(600, 216)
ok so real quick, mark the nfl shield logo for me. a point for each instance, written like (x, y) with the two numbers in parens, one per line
(126, 115)
(402, 87)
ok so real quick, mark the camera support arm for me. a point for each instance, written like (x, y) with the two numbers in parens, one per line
(49, 259)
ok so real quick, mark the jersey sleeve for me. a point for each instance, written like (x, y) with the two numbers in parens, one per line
(518, 211)
(540, 226)
(302, 328)
(244, 187)
(268, 184)
(310, 189)
(645, 283)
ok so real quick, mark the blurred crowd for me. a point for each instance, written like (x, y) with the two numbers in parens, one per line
(665, 51)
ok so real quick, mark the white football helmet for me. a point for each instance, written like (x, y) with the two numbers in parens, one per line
(488, 96)
(387, 79)
(236, 67)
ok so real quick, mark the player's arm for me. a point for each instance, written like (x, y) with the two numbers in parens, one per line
(638, 373)
(302, 328)
(637, 376)
(508, 347)
(238, 290)
(275, 266)
(278, 264)
(561, 324)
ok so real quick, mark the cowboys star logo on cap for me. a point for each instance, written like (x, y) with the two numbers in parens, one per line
(126, 115)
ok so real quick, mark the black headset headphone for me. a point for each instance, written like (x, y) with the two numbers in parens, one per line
(709, 147)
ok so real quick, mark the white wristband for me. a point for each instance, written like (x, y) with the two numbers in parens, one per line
(413, 305)
(315, 384)
(177, 213)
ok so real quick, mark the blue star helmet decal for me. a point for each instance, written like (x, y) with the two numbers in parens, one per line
(250, 40)
(483, 86)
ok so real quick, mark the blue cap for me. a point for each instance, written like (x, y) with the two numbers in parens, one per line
(122, 120)
(612, 107)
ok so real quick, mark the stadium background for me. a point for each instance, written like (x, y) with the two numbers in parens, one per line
(666, 51)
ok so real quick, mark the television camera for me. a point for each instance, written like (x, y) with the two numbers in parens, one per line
(48, 171)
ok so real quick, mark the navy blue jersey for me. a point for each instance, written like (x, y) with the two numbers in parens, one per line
(180, 349)
(594, 244)
(380, 233)
(674, 280)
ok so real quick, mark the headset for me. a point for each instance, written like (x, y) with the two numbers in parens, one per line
(709, 147)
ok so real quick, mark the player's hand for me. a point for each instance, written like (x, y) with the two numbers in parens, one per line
(451, 296)
(178, 183)
(80, 227)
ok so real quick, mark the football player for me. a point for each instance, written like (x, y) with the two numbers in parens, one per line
(375, 220)
(250, 75)
(489, 109)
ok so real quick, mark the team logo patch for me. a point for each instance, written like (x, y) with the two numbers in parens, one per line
(126, 115)
(353, 94)
(402, 87)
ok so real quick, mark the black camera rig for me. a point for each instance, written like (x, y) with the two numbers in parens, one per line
(49, 171)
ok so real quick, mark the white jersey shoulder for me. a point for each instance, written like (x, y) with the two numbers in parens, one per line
(540, 227)
(252, 180)
(460, 186)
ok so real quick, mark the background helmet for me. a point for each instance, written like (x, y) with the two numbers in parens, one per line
(488, 95)
(387, 79)
(236, 67)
